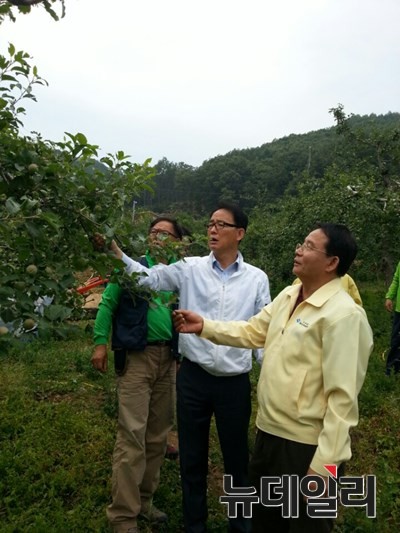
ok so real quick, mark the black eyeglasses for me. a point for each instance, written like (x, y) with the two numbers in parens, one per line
(163, 233)
(220, 224)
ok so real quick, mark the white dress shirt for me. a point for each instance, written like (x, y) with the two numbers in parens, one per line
(236, 293)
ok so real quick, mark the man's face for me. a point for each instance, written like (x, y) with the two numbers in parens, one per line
(161, 233)
(227, 238)
(311, 260)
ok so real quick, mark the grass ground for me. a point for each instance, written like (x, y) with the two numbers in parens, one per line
(57, 430)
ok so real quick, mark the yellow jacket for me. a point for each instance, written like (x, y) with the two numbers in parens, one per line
(313, 368)
(348, 284)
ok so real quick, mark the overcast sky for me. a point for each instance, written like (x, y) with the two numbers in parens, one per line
(189, 80)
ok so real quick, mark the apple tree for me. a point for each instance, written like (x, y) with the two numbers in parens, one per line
(53, 197)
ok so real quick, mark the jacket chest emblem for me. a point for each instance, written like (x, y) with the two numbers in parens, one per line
(302, 323)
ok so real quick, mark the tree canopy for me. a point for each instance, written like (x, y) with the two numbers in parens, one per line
(54, 196)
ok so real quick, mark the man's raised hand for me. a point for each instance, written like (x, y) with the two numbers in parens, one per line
(100, 245)
(99, 242)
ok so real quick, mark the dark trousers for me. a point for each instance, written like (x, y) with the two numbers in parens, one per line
(199, 396)
(274, 456)
(393, 356)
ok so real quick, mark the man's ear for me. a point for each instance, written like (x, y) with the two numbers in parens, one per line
(241, 233)
(333, 263)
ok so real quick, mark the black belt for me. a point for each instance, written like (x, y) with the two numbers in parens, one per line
(159, 343)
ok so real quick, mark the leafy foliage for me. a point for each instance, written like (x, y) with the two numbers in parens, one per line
(54, 196)
(9, 8)
(13, 69)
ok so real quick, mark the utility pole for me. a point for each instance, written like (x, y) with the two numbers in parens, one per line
(309, 159)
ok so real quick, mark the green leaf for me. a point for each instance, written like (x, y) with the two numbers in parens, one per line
(7, 77)
(57, 312)
(21, 70)
(107, 161)
(52, 219)
(44, 330)
(49, 284)
(6, 291)
(12, 206)
(4, 9)
(11, 49)
(24, 9)
(32, 229)
(121, 155)
(80, 138)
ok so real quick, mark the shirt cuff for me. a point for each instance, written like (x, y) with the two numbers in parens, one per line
(128, 262)
(207, 329)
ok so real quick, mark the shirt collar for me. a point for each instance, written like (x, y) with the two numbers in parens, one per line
(320, 296)
(238, 261)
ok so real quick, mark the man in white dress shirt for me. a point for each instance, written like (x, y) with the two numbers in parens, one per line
(212, 380)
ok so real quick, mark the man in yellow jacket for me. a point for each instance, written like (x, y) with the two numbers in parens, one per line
(317, 342)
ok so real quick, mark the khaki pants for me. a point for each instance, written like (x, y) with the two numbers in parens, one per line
(146, 396)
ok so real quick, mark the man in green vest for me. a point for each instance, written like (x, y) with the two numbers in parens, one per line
(145, 353)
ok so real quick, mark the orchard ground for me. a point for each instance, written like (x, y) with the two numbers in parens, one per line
(58, 424)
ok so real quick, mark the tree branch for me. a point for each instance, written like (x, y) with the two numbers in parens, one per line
(24, 2)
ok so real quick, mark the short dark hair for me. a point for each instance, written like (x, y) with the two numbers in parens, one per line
(340, 243)
(240, 218)
(165, 218)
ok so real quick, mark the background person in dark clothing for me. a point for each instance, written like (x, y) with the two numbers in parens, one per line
(393, 295)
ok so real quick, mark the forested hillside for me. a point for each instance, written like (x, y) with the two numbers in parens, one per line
(263, 174)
